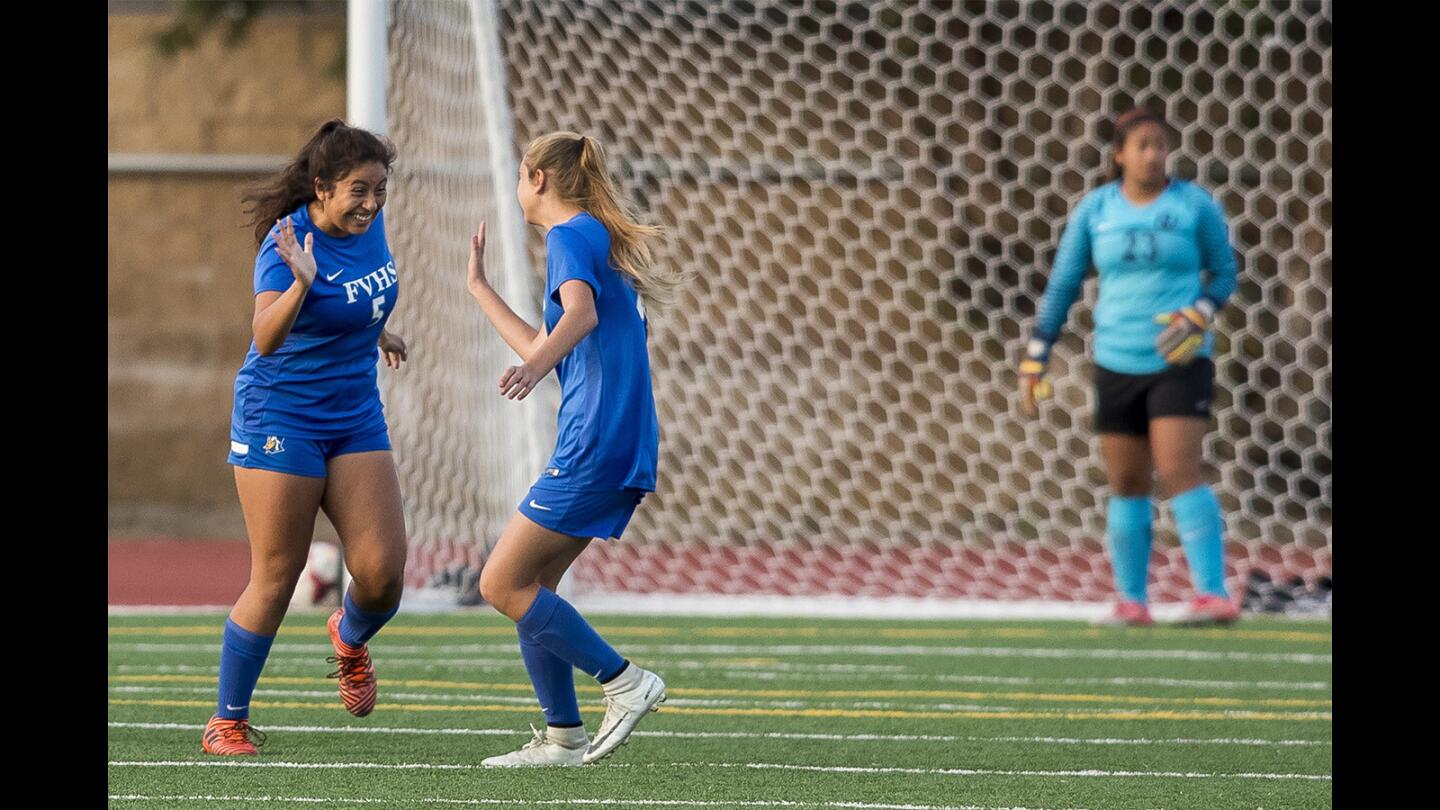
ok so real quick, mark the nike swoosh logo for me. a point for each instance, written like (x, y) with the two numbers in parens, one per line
(236, 708)
(337, 275)
(534, 505)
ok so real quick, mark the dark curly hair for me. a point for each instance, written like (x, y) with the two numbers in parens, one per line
(331, 152)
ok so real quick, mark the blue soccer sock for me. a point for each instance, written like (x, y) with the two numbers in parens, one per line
(1202, 529)
(554, 681)
(558, 627)
(1127, 528)
(358, 626)
(242, 656)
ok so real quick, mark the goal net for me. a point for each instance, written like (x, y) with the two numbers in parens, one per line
(870, 196)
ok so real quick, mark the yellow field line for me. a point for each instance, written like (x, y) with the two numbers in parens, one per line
(794, 632)
(843, 713)
(1052, 697)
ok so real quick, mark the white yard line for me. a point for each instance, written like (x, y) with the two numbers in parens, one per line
(428, 766)
(799, 649)
(838, 805)
(748, 735)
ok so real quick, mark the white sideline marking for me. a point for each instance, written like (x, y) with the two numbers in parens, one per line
(423, 600)
(169, 610)
(739, 668)
(804, 649)
(859, 607)
(761, 671)
(986, 771)
(802, 670)
(587, 802)
(483, 732)
(996, 652)
(750, 735)
(1089, 713)
(1318, 686)
(427, 766)
(330, 694)
(304, 766)
(766, 672)
(513, 700)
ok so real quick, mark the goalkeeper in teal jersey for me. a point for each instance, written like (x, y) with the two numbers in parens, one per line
(1166, 267)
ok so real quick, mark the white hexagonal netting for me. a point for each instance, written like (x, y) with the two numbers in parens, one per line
(870, 195)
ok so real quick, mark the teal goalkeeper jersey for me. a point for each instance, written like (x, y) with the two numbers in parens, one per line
(1149, 260)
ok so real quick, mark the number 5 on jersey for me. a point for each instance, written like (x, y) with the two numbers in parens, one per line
(375, 311)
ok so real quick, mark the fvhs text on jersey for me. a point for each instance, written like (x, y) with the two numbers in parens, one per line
(382, 279)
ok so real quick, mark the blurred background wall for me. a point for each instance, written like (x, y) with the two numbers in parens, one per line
(186, 131)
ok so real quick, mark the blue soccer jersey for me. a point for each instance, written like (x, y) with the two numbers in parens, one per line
(1149, 259)
(320, 383)
(608, 436)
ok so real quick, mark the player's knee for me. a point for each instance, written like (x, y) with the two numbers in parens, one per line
(273, 591)
(276, 575)
(1178, 479)
(1131, 485)
(381, 577)
(382, 590)
(496, 589)
(492, 589)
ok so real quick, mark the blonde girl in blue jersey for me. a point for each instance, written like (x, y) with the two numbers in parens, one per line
(599, 272)
(307, 428)
(1166, 267)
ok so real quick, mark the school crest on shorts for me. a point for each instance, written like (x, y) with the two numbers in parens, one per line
(274, 445)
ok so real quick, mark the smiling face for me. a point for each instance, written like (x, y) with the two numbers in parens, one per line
(351, 202)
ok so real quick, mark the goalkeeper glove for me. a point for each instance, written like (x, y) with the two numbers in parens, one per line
(1034, 386)
(1184, 332)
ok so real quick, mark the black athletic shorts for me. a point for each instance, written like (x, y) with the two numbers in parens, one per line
(1127, 402)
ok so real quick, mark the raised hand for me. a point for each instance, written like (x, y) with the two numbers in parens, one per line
(475, 274)
(301, 262)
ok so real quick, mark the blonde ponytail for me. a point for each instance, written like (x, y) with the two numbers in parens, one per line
(576, 165)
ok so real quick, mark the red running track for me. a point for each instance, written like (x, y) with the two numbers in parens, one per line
(214, 572)
(177, 572)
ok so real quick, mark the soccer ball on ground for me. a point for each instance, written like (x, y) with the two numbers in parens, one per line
(319, 584)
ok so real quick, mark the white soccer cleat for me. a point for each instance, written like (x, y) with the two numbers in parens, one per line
(549, 748)
(633, 694)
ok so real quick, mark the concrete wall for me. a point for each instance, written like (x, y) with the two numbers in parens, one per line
(180, 255)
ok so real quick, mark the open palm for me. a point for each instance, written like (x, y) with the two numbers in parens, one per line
(301, 262)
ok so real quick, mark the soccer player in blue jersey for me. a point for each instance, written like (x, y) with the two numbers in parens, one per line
(1166, 268)
(598, 274)
(307, 431)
